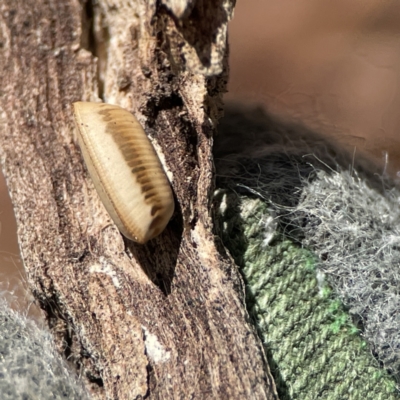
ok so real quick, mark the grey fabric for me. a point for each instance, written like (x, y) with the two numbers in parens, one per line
(336, 204)
(30, 367)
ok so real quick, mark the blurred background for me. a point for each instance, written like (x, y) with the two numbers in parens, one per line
(332, 66)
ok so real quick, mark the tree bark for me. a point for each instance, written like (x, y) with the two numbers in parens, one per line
(161, 320)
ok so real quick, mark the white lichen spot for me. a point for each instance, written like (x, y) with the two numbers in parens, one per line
(105, 268)
(154, 349)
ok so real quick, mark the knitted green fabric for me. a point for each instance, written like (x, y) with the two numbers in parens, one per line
(313, 349)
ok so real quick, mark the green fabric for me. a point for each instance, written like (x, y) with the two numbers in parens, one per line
(313, 349)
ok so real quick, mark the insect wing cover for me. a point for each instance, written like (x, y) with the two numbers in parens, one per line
(125, 169)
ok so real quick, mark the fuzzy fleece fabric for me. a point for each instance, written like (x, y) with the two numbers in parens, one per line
(30, 366)
(315, 233)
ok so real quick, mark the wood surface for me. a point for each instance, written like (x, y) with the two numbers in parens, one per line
(161, 320)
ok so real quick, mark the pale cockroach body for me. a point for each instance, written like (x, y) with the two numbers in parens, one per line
(125, 169)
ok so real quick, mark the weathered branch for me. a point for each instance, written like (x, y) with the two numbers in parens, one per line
(164, 320)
